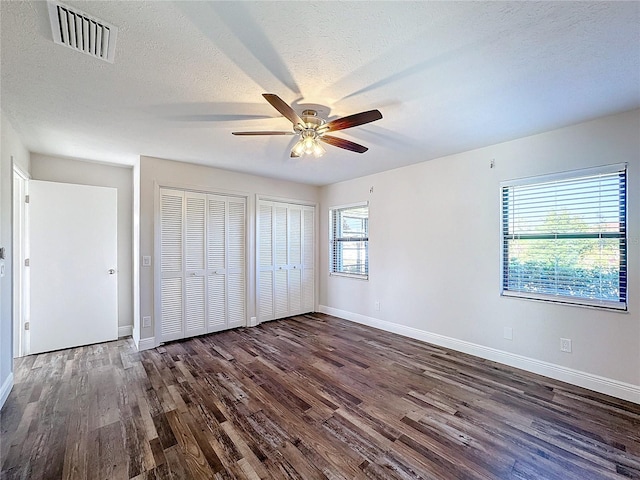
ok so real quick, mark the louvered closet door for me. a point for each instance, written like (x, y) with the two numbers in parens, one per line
(195, 248)
(202, 243)
(308, 259)
(216, 264)
(171, 272)
(226, 262)
(265, 262)
(295, 259)
(236, 244)
(286, 260)
(281, 257)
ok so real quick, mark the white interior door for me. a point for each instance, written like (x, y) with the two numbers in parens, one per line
(281, 286)
(195, 322)
(236, 241)
(171, 260)
(286, 284)
(202, 260)
(73, 265)
(217, 263)
(295, 259)
(265, 262)
(308, 256)
(20, 272)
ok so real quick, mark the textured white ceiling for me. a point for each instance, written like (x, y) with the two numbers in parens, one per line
(447, 77)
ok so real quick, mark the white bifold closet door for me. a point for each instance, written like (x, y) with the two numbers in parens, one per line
(202, 249)
(285, 260)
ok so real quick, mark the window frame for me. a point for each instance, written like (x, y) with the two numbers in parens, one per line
(335, 241)
(618, 306)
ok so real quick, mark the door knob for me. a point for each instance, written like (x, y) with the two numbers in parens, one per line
(112, 271)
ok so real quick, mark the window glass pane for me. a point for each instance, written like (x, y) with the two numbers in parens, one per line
(567, 239)
(349, 240)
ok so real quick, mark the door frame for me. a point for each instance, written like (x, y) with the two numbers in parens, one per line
(157, 274)
(20, 280)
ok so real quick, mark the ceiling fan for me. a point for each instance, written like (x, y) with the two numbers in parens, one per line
(311, 128)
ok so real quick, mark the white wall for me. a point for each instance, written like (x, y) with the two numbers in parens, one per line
(11, 151)
(435, 258)
(82, 172)
(157, 172)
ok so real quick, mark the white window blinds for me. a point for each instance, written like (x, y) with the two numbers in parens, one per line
(349, 240)
(564, 238)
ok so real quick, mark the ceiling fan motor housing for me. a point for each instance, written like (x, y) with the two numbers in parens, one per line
(311, 118)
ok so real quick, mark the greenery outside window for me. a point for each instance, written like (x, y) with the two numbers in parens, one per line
(564, 238)
(349, 240)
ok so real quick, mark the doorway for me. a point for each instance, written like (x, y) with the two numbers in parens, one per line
(20, 255)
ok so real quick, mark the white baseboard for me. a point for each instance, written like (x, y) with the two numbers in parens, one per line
(608, 386)
(146, 343)
(125, 331)
(6, 389)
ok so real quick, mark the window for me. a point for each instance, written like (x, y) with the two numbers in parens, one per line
(349, 240)
(564, 238)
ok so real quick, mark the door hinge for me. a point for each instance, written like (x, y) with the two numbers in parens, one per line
(26, 325)
(26, 199)
(26, 262)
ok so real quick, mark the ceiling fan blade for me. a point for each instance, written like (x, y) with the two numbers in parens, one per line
(352, 120)
(280, 105)
(263, 133)
(342, 143)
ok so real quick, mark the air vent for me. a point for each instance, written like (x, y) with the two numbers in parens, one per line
(82, 32)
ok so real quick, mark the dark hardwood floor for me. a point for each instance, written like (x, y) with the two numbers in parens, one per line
(308, 397)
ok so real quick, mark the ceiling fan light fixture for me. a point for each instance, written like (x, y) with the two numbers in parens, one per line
(309, 144)
(298, 149)
(318, 150)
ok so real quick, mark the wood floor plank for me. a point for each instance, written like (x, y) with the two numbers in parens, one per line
(191, 451)
(309, 397)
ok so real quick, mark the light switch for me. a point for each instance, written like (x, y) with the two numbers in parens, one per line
(146, 261)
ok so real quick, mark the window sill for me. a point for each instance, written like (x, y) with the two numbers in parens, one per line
(558, 300)
(349, 275)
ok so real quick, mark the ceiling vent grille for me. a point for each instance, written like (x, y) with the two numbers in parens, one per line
(82, 32)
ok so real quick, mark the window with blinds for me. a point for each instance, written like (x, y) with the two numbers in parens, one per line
(349, 240)
(564, 238)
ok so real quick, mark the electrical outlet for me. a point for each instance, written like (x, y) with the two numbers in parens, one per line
(565, 345)
(377, 305)
(146, 321)
(146, 261)
(508, 333)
